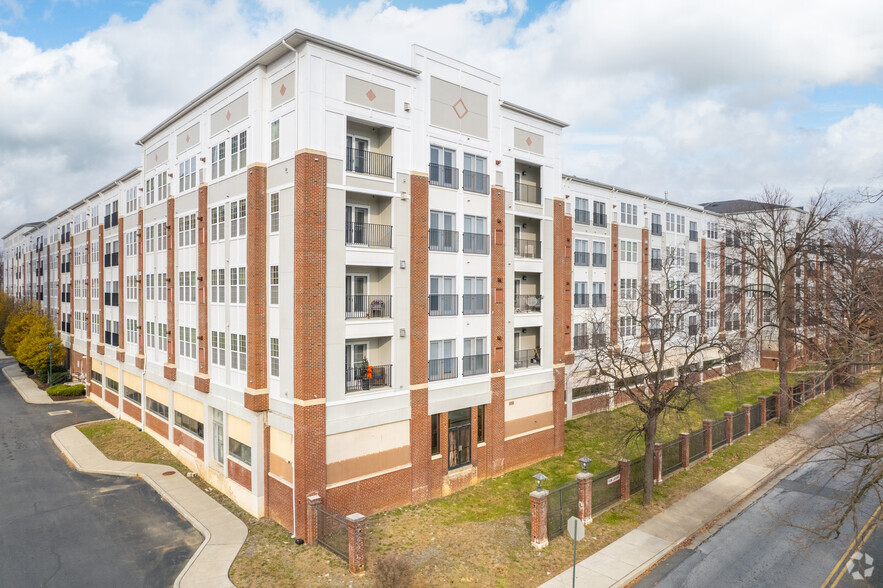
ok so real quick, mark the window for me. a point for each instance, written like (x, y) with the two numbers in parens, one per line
(219, 348)
(148, 238)
(239, 450)
(111, 214)
(712, 289)
(162, 230)
(628, 251)
(218, 286)
(442, 359)
(150, 287)
(218, 161)
(188, 424)
(150, 335)
(676, 255)
(150, 191)
(161, 287)
(628, 289)
(480, 432)
(132, 288)
(237, 285)
(655, 224)
(694, 231)
(238, 151)
(711, 230)
(187, 230)
(580, 252)
(274, 284)
(162, 336)
(442, 167)
(237, 352)
(237, 219)
(94, 249)
(111, 254)
(435, 434)
(475, 178)
(157, 408)
(111, 384)
(628, 326)
(599, 254)
(711, 319)
(274, 357)
(581, 212)
(217, 222)
(274, 140)
(628, 214)
(162, 186)
(676, 289)
(674, 223)
(712, 260)
(187, 286)
(187, 175)
(132, 395)
(112, 332)
(96, 324)
(599, 214)
(131, 330)
(96, 219)
(274, 212)
(133, 202)
(187, 342)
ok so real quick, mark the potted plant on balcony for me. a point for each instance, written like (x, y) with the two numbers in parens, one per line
(365, 373)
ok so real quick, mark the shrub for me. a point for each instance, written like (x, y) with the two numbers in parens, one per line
(66, 390)
(393, 571)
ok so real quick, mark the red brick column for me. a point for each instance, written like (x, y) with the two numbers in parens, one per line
(355, 526)
(121, 236)
(257, 396)
(762, 401)
(685, 450)
(139, 358)
(645, 289)
(728, 415)
(625, 487)
(100, 290)
(58, 300)
(170, 369)
(421, 426)
(562, 266)
(201, 377)
(309, 301)
(746, 410)
(584, 483)
(744, 274)
(657, 462)
(495, 413)
(88, 294)
(722, 292)
(614, 280)
(539, 513)
(312, 517)
(707, 425)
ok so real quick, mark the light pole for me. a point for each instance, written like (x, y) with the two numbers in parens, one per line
(49, 382)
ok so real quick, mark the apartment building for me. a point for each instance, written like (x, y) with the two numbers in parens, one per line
(340, 279)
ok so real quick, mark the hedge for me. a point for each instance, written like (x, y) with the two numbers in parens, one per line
(66, 389)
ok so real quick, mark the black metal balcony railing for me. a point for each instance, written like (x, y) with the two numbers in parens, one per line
(441, 240)
(442, 369)
(475, 303)
(693, 298)
(581, 342)
(476, 243)
(694, 267)
(368, 235)
(357, 378)
(582, 216)
(731, 325)
(368, 162)
(656, 264)
(442, 305)
(692, 330)
(581, 258)
(655, 333)
(368, 306)
(694, 235)
(581, 300)
(656, 229)
(527, 358)
(527, 193)
(599, 340)
(599, 219)
(731, 298)
(474, 365)
(443, 175)
(528, 303)
(476, 182)
(599, 300)
(530, 248)
(656, 298)
(599, 260)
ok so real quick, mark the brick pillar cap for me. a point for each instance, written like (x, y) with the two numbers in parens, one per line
(356, 517)
(539, 493)
(314, 498)
(728, 413)
(622, 459)
(747, 405)
(683, 433)
(707, 422)
(657, 445)
(584, 476)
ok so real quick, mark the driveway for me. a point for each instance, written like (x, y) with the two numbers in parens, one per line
(60, 527)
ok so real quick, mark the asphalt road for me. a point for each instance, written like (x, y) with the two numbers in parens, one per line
(60, 527)
(773, 543)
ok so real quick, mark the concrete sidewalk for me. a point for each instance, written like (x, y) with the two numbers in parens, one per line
(627, 558)
(29, 391)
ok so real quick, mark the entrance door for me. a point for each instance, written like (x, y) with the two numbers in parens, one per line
(356, 217)
(355, 355)
(357, 148)
(356, 296)
(459, 438)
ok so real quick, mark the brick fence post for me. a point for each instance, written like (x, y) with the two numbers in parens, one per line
(728, 415)
(313, 501)
(539, 514)
(355, 527)
(707, 424)
(625, 486)
(657, 462)
(685, 450)
(746, 409)
(584, 483)
(762, 401)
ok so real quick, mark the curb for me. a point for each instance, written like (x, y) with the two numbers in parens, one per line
(43, 398)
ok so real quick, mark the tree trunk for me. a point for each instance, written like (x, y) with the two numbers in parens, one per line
(649, 443)
(784, 388)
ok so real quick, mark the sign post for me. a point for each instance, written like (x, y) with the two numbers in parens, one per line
(576, 530)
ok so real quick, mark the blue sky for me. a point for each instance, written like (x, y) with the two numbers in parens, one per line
(703, 100)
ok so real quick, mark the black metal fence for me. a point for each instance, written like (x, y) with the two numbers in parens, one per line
(563, 504)
(605, 491)
(755, 416)
(738, 424)
(697, 444)
(671, 457)
(333, 534)
(636, 475)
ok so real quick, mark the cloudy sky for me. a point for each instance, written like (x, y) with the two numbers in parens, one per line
(705, 100)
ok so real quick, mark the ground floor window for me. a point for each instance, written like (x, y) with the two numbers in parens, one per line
(434, 441)
(188, 424)
(459, 438)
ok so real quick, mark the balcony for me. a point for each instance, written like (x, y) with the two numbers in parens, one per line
(476, 182)
(581, 300)
(656, 298)
(443, 175)
(731, 325)
(692, 330)
(527, 193)
(111, 299)
(529, 248)
(368, 235)
(693, 298)
(599, 300)
(694, 235)
(364, 306)
(599, 219)
(656, 264)
(442, 369)
(476, 243)
(375, 376)
(525, 358)
(694, 267)
(528, 303)
(475, 303)
(656, 229)
(581, 258)
(474, 365)
(441, 240)
(581, 342)
(582, 216)
(442, 305)
(599, 260)
(599, 340)
(368, 162)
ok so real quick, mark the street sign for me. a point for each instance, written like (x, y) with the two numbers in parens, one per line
(613, 479)
(576, 529)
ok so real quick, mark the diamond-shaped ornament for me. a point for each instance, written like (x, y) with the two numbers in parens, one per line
(371, 95)
(529, 142)
(156, 157)
(282, 90)
(228, 115)
(460, 108)
(187, 138)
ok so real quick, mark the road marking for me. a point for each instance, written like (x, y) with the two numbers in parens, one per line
(856, 544)
(58, 412)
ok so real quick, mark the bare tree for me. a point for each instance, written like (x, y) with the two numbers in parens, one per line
(658, 348)
(777, 238)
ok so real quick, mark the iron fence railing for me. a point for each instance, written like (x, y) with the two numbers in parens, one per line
(476, 243)
(527, 358)
(368, 306)
(738, 424)
(582, 216)
(755, 416)
(332, 533)
(771, 407)
(530, 248)
(636, 475)
(563, 504)
(605, 491)
(357, 378)
(718, 433)
(697, 445)
(671, 457)
(368, 235)
(368, 162)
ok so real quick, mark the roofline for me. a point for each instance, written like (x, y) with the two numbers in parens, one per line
(21, 226)
(638, 194)
(293, 39)
(123, 178)
(534, 114)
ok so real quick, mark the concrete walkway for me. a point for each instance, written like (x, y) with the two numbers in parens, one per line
(224, 533)
(631, 555)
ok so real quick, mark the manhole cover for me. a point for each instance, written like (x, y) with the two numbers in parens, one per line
(170, 473)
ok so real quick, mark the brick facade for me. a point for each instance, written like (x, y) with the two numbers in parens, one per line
(201, 378)
(170, 369)
(188, 441)
(239, 473)
(257, 396)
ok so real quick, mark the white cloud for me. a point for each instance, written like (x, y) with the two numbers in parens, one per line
(693, 97)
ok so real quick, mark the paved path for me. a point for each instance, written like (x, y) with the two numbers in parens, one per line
(631, 555)
(61, 527)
